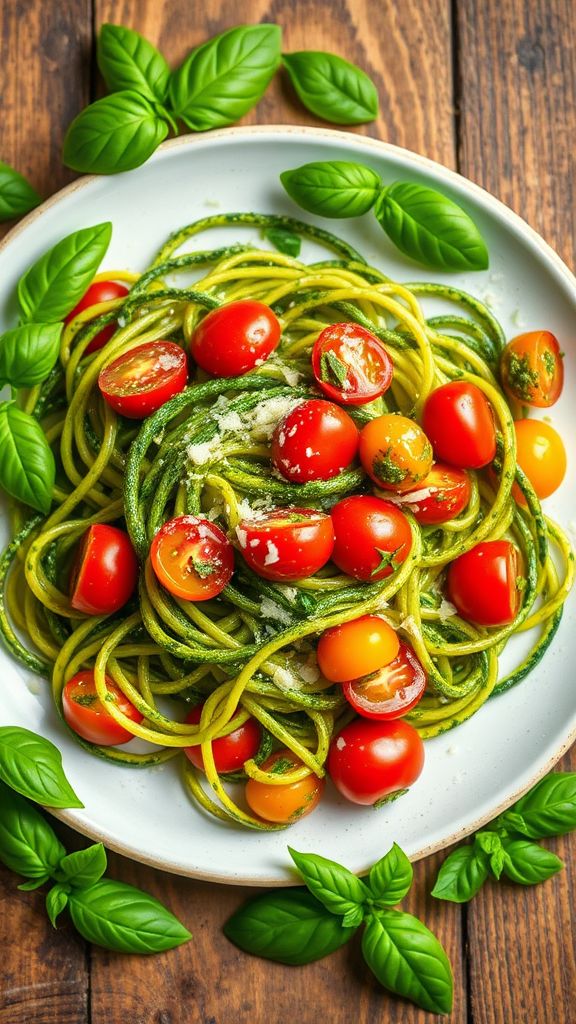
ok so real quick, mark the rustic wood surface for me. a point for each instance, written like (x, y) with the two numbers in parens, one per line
(488, 88)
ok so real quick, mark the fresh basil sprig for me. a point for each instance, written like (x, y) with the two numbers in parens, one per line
(17, 196)
(333, 188)
(53, 285)
(129, 61)
(32, 765)
(331, 87)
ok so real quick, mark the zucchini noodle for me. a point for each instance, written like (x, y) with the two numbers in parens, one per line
(250, 651)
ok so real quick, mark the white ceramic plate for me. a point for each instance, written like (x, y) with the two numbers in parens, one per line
(471, 773)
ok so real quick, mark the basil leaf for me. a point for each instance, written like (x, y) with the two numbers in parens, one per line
(28, 354)
(488, 841)
(430, 228)
(462, 875)
(32, 766)
(331, 87)
(16, 195)
(224, 78)
(56, 901)
(116, 133)
(57, 281)
(527, 863)
(287, 925)
(285, 241)
(353, 917)
(28, 845)
(333, 188)
(336, 887)
(123, 918)
(128, 61)
(83, 867)
(27, 467)
(549, 809)
(391, 877)
(408, 959)
(35, 883)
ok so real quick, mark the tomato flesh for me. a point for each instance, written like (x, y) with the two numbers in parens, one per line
(372, 537)
(315, 441)
(235, 338)
(286, 544)
(459, 422)
(105, 571)
(439, 497)
(350, 364)
(284, 804)
(395, 452)
(485, 584)
(369, 760)
(100, 291)
(391, 691)
(356, 648)
(532, 369)
(540, 453)
(192, 558)
(85, 713)
(231, 751)
(143, 379)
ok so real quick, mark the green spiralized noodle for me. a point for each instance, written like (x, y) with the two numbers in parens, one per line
(250, 652)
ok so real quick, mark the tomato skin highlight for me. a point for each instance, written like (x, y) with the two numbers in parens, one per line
(449, 491)
(99, 291)
(373, 537)
(140, 381)
(86, 714)
(235, 338)
(192, 558)
(315, 441)
(231, 751)
(391, 691)
(356, 648)
(105, 571)
(540, 453)
(483, 583)
(395, 452)
(370, 760)
(350, 364)
(532, 370)
(284, 804)
(287, 544)
(459, 422)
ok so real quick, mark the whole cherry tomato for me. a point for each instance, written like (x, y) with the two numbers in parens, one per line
(85, 713)
(192, 558)
(356, 648)
(235, 338)
(532, 369)
(105, 571)
(315, 441)
(541, 454)
(230, 751)
(458, 419)
(350, 364)
(100, 291)
(373, 537)
(485, 584)
(284, 803)
(395, 452)
(143, 379)
(286, 544)
(370, 760)
(439, 497)
(391, 691)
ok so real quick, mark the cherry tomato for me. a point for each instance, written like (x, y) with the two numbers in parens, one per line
(231, 751)
(235, 338)
(368, 760)
(86, 714)
(284, 804)
(105, 571)
(532, 369)
(286, 544)
(541, 454)
(100, 291)
(439, 497)
(458, 420)
(485, 584)
(391, 691)
(356, 648)
(350, 364)
(315, 441)
(143, 379)
(373, 537)
(192, 558)
(395, 452)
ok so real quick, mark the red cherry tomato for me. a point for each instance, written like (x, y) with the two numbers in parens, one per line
(350, 364)
(532, 370)
(485, 584)
(368, 760)
(143, 379)
(85, 713)
(100, 291)
(356, 648)
(459, 422)
(373, 537)
(395, 452)
(105, 571)
(439, 497)
(231, 751)
(192, 558)
(391, 691)
(287, 544)
(284, 803)
(315, 441)
(235, 338)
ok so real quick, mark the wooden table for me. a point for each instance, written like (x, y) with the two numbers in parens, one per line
(484, 86)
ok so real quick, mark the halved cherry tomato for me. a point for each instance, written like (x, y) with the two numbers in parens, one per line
(284, 803)
(105, 571)
(230, 751)
(368, 760)
(458, 419)
(485, 584)
(356, 648)
(395, 452)
(100, 291)
(192, 558)
(286, 544)
(350, 364)
(391, 691)
(373, 537)
(143, 379)
(439, 497)
(235, 338)
(541, 454)
(532, 370)
(85, 713)
(315, 441)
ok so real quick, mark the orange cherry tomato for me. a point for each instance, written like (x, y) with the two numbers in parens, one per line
(356, 648)
(85, 713)
(532, 370)
(288, 803)
(395, 452)
(540, 453)
(192, 558)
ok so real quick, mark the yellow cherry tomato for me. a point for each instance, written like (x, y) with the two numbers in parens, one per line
(283, 804)
(395, 452)
(541, 455)
(356, 648)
